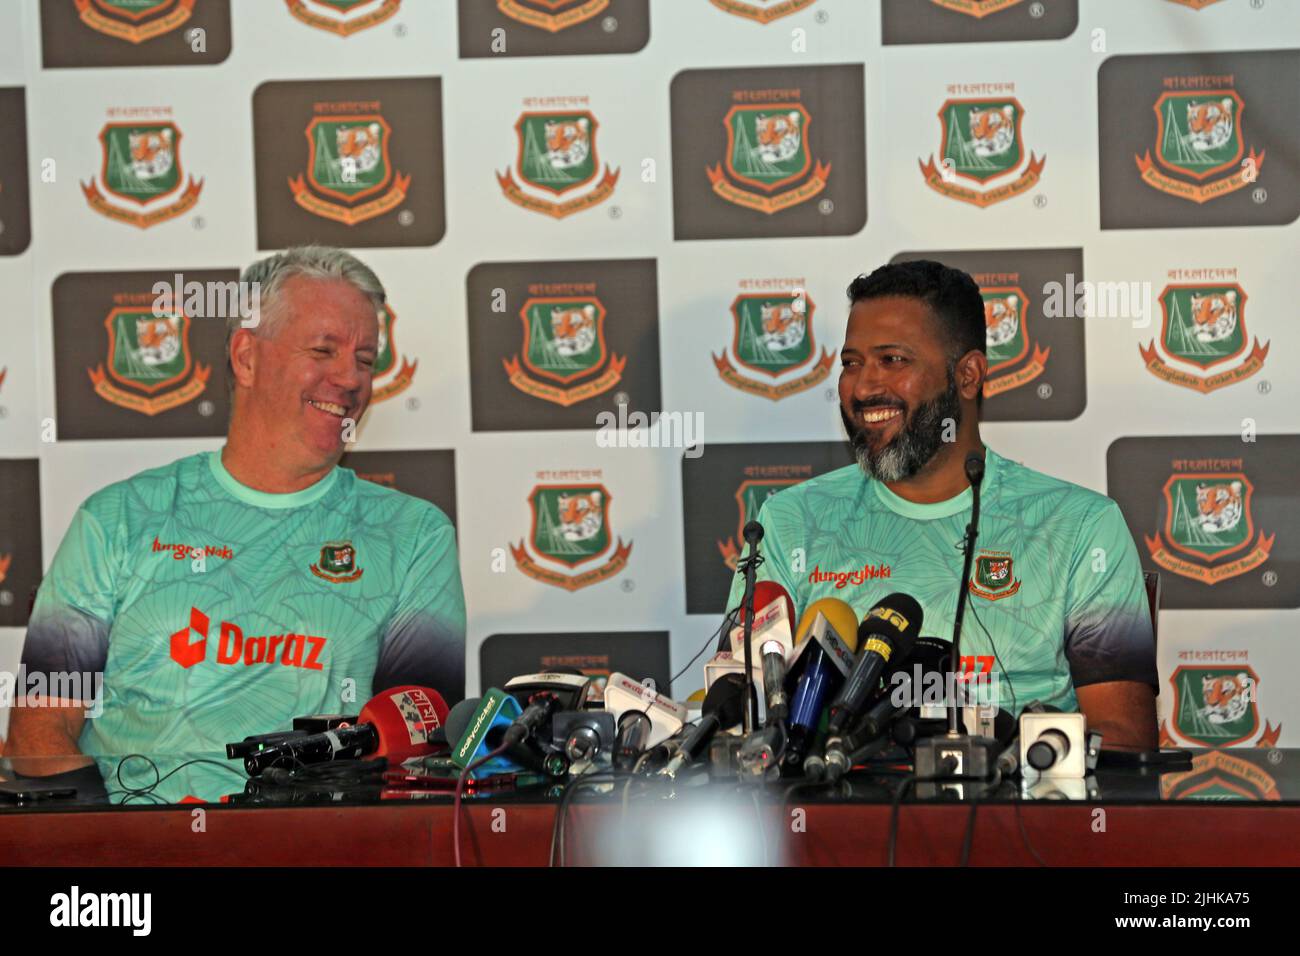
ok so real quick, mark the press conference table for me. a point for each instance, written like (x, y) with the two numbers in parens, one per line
(1246, 799)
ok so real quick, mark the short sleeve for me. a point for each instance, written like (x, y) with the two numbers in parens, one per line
(1108, 633)
(424, 642)
(73, 614)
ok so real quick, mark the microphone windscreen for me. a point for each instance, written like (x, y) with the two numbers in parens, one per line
(897, 617)
(838, 615)
(974, 468)
(458, 719)
(403, 717)
(726, 700)
(753, 532)
(765, 592)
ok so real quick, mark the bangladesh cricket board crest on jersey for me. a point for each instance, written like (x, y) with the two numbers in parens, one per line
(552, 15)
(389, 360)
(1199, 145)
(750, 496)
(343, 17)
(993, 576)
(981, 143)
(769, 165)
(1217, 705)
(564, 358)
(570, 527)
(976, 8)
(557, 163)
(338, 563)
(1209, 532)
(134, 20)
(762, 11)
(1007, 340)
(150, 368)
(773, 337)
(350, 176)
(1204, 326)
(140, 176)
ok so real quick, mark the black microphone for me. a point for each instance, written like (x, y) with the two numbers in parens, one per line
(724, 706)
(753, 532)
(887, 632)
(630, 740)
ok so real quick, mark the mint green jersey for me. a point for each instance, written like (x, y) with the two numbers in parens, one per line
(1056, 596)
(215, 611)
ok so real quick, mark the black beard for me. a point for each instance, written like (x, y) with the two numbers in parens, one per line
(915, 445)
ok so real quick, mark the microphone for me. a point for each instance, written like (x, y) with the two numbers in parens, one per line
(825, 643)
(394, 724)
(623, 695)
(542, 696)
(888, 632)
(772, 639)
(724, 706)
(631, 739)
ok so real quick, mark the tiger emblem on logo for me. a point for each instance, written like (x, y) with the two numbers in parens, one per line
(1001, 320)
(778, 136)
(159, 340)
(783, 329)
(1227, 697)
(568, 142)
(358, 146)
(997, 571)
(1219, 506)
(992, 131)
(1209, 125)
(580, 516)
(1214, 315)
(574, 329)
(151, 153)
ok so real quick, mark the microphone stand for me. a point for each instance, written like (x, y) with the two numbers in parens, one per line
(975, 474)
(749, 567)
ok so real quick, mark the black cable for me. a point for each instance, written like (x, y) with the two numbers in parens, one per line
(570, 791)
(159, 778)
(969, 839)
(722, 628)
(460, 790)
(894, 806)
(1024, 837)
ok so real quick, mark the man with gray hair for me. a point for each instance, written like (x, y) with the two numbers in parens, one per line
(229, 591)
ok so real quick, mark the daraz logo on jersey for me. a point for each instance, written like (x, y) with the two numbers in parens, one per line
(289, 650)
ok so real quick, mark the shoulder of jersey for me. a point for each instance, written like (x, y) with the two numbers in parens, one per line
(377, 495)
(156, 486)
(1023, 481)
(839, 483)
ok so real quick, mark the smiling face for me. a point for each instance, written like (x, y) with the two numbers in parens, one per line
(901, 394)
(310, 373)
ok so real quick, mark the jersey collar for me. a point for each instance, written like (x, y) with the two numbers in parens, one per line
(940, 509)
(266, 499)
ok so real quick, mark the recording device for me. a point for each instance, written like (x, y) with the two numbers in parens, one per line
(666, 716)
(543, 695)
(887, 633)
(394, 724)
(319, 723)
(488, 721)
(1056, 745)
(631, 737)
(825, 643)
(771, 640)
(586, 738)
(724, 706)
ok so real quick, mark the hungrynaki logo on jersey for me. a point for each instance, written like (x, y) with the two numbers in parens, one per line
(1217, 705)
(1006, 331)
(349, 176)
(564, 358)
(750, 495)
(762, 11)
(1217, 776)
(389, 360)
(1199, 144)
(768, 165)
(552, 15)
(1209, 533)
(772, 338)
(570, 528)
(149, 366)
(557, 169)
(981, 145)
(134, 20)
(1203, 330)
(141, 179)
(343, 17)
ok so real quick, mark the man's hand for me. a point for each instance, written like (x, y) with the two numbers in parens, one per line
(43, 740)
(1124, 711)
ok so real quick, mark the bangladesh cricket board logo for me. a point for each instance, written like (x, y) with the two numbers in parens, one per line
(338, 563)
(1205, 327)
(762, 11)
(5, 560)
(1195, 4)
(976, 8)
(389, 360)
(134, 20)
(1217, 706)
(557, 164)
(981, 142)
(1209, 532)
(141, 175)
(551, 15)
(1217, 775)
(773, 337)
(342, 17)
(1200, 141)
(769, 166)
(750, 496)
(150, 368)
(993, 577)
(564, 358)
(350, 176)
(1007, 340)
(570, 528)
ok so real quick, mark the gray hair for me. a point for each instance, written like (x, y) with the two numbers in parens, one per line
(269, 274)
